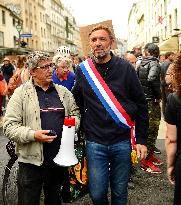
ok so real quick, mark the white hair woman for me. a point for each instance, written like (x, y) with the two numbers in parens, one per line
(62, 74)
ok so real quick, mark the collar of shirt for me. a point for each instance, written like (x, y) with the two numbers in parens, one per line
(39, 87)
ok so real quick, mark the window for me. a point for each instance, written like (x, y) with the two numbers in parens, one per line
(40, 17)
(1, 39)
(176, 18)
(14, 22)
(35, 26)
(14, 40)
(3, 17)
(41, 32)
(165, 7)
(31, 24)
(26, 22)
(170, 23)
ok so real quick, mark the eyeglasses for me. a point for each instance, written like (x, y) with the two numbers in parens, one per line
(46, 67)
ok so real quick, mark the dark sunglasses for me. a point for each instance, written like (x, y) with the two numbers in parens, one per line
(46, 67)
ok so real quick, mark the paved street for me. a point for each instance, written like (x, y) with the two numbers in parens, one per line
(151, 189)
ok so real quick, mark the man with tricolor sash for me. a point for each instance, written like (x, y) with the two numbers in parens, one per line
(114, 118)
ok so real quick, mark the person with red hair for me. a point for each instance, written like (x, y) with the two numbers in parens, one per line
(173, 132)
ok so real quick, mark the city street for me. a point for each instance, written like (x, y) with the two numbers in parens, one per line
(107, 59)
(150, 189)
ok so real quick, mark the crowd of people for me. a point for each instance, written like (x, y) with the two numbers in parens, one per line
(117, 102)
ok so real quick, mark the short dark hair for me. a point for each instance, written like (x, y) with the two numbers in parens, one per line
(152, 49)
(102, 27)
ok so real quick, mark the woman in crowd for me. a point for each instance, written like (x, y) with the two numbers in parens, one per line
(173, 133)
(63, 75)
(20, 76)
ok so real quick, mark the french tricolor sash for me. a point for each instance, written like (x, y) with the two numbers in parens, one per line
(107, 98)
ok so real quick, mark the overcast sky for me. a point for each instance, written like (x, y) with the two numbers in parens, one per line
(93, 11)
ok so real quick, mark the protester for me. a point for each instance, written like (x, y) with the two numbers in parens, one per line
(161, 58)
(131, 58)
(34, 109)
(20, 76)
(108, 137)
(22, 69)
(149, 75)
(14, 63)
(168, 78)
(7, 69)
(76, 61)
(62, 74)
(164, 87)
(173, 132)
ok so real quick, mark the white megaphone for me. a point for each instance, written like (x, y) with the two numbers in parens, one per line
(66, 156)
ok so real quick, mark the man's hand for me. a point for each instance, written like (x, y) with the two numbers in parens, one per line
(42, 136)
(141, 151)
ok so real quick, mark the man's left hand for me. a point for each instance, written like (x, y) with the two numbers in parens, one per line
(141, 151)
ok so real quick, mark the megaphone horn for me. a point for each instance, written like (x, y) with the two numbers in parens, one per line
(66, 156)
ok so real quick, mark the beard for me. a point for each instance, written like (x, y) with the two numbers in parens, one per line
(101, 55)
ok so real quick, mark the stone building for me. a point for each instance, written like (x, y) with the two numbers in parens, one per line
(46, 24)
(157, 21)
(9, 36)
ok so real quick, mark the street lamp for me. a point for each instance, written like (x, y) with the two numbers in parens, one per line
(19, 28)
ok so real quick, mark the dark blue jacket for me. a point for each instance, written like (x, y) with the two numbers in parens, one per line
(123, 82)
(68, 83)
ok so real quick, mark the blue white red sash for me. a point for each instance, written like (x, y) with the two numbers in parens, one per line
(105, 95)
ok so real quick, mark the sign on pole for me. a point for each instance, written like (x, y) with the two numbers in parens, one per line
(26, 35)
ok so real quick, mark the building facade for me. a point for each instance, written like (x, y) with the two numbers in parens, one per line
(157, 21)
(9, 35)
(136, 25)
(46, 25)
(8, 22)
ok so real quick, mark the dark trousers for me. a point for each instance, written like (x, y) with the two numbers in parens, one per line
(32, 178)
(164, 101)
(154, 122)
(177, 193)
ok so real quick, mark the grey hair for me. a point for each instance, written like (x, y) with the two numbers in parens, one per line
(59, 58)
(34, 58)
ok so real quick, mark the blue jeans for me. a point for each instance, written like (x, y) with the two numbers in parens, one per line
(108, 164)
